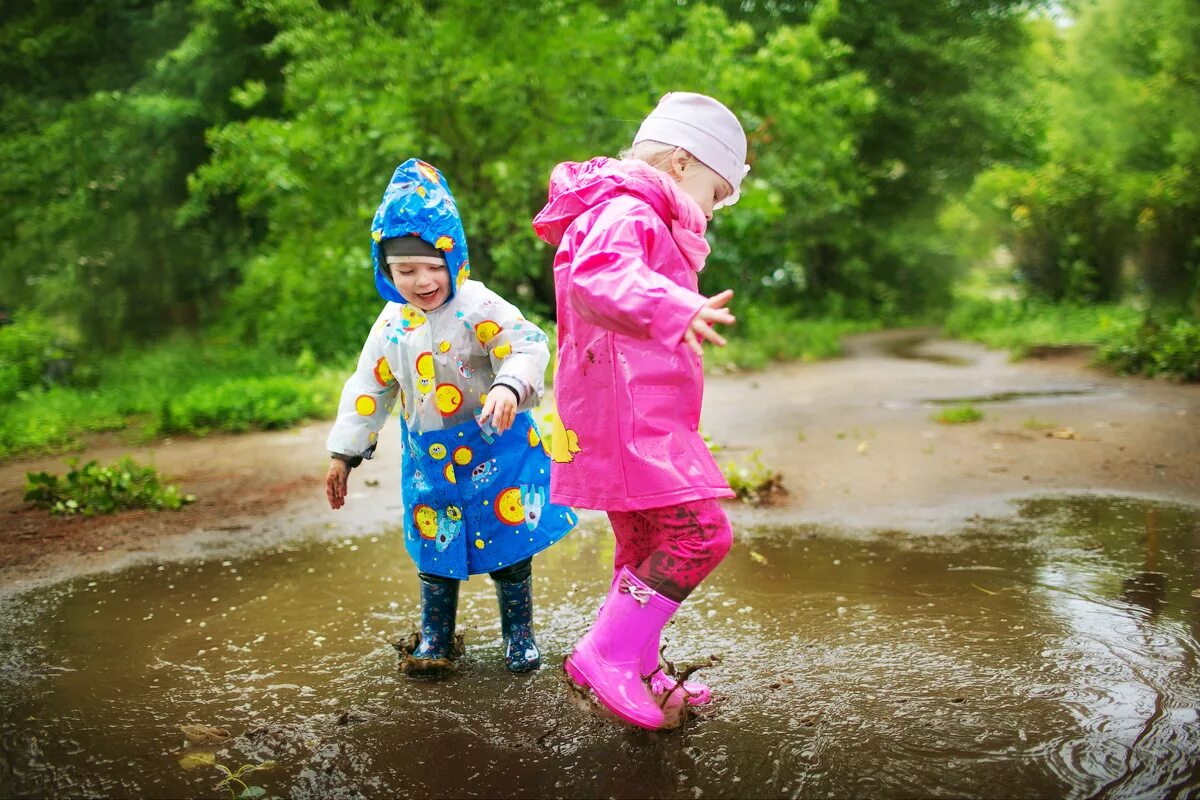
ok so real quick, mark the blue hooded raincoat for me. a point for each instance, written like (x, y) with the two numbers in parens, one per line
(475, 501)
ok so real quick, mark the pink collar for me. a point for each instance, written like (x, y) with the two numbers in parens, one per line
(687, 219)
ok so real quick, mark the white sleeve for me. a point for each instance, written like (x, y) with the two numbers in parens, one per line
(519, 353)
(367, 399)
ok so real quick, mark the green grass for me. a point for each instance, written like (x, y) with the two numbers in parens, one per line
(1019, 326)
(958, 415)
(1127, 339)
(183, 386)
(763, 335)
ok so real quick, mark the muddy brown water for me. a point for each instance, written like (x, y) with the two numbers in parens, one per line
(1052, 652)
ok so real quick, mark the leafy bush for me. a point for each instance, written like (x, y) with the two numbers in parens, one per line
(93, 489)
(28, 349)
(1155, 348)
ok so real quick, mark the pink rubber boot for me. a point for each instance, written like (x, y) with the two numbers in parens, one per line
(608, 658)
(698, 694)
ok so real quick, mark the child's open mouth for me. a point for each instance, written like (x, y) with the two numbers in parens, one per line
(427, 295)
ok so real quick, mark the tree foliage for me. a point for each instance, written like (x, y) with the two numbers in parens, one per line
(217, 162)
(1118, 178)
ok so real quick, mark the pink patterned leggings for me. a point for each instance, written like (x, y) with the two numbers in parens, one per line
(674, 548)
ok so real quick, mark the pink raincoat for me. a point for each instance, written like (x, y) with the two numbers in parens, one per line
(628, 388)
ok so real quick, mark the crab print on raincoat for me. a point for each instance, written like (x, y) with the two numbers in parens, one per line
(474, 501)
(629, 388)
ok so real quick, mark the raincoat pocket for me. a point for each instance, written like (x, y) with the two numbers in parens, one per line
(654, 431)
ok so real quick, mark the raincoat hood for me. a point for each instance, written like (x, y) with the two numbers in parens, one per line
(577, 187)
(418, 202)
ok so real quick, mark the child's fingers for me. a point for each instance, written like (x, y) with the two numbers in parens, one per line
(488, 407)
(713, 336)
(720, 315)
(720, 299)
(690, 338)
(504, 418)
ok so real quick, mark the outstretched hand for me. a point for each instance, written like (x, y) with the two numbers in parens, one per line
(336, 481)
(701, 327)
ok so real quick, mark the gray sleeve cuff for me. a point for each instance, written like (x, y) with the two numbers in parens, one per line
(350, 461)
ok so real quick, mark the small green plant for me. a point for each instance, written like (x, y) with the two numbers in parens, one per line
(958, 415)
(232, 777)
(1035, 424)
(93, 489)
(752, 481)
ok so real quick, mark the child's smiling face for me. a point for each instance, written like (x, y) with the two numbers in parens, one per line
(422, 281)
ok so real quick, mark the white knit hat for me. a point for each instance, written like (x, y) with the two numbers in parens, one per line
(706, 129)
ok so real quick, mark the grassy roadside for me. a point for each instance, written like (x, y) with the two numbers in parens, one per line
(192, 385)
(1127, 339)
(763, 335)
(183, 386)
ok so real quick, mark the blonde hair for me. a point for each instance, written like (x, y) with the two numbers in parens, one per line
(656, 154)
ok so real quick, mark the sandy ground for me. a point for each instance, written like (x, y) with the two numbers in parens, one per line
(853, 438)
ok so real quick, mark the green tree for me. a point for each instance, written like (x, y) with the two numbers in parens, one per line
(104, 138)
(495, 98)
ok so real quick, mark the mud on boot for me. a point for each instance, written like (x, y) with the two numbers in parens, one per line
(435, 650)
(521, 653)
(665, 680)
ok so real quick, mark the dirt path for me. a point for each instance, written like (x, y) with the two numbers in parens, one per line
(852, 437)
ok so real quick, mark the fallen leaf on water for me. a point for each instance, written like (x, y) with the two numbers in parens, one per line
(203, 734)
(758, 557)
(1063, 433)
(1196, 593)
(197, 759)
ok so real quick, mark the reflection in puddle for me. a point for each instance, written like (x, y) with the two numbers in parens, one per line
(1052, 653)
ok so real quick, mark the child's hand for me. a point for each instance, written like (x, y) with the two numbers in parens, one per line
(335, 483)
(713, 311)
(500, 407)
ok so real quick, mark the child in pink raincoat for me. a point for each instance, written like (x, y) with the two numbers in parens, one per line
(630, 238)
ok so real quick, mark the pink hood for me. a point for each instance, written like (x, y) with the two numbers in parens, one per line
(577, 187)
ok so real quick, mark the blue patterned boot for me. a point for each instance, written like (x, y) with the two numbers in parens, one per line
(436, 648)
(521, 652)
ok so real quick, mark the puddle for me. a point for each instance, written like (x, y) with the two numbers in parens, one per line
(1049, 653)
(1011, 397)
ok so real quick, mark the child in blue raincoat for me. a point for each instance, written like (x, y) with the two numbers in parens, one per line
(466, 367)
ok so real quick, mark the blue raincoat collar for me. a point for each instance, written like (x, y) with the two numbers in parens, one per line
(418, 202)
